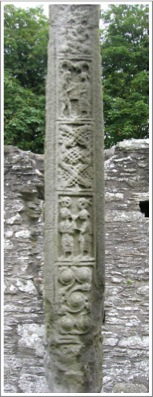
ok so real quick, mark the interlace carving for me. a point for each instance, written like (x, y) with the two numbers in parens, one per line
(75, 156)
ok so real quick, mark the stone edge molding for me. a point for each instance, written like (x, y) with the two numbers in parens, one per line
(74, 202)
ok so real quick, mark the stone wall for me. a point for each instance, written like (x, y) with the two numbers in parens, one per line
(127, 271)
(24, 319)
(125, 332)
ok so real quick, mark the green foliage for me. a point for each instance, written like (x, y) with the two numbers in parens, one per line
(125, 58)
(24, 116)
(25, 62)
(125, 61)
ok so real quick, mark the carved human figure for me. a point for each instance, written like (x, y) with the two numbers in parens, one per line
(70, 94)
(67, 227)
(66, 104)
(75, 83)
(85, 228)
(79, 95)
(84, 104)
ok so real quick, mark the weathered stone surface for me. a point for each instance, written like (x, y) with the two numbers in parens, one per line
(127, 274)
(74, 198)
(129, 388)
(23, 273)
(126, 330)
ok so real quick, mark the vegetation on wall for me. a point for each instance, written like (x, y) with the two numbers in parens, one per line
(125, 59)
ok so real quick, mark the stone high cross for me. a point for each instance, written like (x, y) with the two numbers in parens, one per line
(74, 202)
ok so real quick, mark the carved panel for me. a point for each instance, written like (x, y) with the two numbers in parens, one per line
(75, 32)
(75, 156)
(75, 228)
(75, 89)
(73, 300)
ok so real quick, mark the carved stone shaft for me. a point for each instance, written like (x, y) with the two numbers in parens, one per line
(74, 202)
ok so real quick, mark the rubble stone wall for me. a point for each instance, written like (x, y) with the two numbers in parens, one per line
(23, 272)
(126, 328)
(127, 269)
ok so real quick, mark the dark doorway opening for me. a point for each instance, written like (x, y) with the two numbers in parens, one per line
(144, 207)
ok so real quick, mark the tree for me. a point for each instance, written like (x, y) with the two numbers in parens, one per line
(24, 116)
(25, 64)
(125, 61)
(125, 58)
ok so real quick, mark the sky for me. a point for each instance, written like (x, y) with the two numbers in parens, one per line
(37, 4)
(33, 5)
(45, 4)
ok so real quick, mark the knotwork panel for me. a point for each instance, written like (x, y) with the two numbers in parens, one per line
(75, 156)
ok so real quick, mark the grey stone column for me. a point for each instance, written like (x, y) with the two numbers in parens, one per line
(74, 202)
